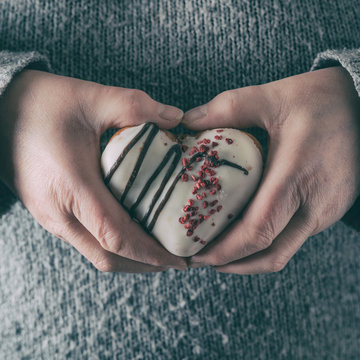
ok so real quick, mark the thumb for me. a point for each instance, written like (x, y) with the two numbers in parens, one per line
(239, 108)
(116, 107)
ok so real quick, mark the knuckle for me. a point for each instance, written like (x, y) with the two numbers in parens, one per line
(111, 242)
(277, 263)
(157, 262)
(263, 237)
(218, 259)
(103, 264)
(134, 100)
(228, 100)
(56, 223)
(108, 239)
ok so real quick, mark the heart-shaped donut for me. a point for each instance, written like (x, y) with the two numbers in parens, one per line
(183, 190)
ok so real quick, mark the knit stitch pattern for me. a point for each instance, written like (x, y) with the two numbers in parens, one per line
(348, 59)
(55, 305)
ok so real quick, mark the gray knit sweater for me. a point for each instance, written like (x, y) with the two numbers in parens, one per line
(54, 304)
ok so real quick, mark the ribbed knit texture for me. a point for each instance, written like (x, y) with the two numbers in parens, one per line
(55, 305)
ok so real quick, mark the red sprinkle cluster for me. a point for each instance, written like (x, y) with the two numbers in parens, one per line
(205, 183)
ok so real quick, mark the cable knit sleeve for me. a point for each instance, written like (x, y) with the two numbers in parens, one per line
(349, 60)
(12, 63)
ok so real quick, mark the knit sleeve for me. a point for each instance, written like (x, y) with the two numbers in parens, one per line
(350, 61)
(12, 63)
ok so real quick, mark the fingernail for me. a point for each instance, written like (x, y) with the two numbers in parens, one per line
(170, 113)
(195, 114)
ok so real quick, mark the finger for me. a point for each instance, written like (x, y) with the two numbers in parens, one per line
(276, 257)
(240, 108)
(120, 107)
(101, 214)
(103, 260)
(112, 226)
(266, 216)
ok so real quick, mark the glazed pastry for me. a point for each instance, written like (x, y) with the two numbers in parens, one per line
(183, 190)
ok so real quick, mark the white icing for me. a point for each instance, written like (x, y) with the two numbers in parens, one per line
(236, 187)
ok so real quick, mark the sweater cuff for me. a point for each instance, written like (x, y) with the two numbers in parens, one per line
(11, 63)
(350, 61)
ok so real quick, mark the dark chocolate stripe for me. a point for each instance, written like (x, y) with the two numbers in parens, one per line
(170, 190)
(139, 161)
(172, 187)
(165, 180)
(121, 157)
(164, 201)
(175, 149)
(236, 166)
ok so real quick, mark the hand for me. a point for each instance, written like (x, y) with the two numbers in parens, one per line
(312, 173)
(50, 128)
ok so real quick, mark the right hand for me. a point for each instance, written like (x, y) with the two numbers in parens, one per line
(50, 130)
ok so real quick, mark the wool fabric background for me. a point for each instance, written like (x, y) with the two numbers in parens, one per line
(55, 305)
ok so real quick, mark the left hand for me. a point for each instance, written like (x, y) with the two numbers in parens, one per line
(312, 173)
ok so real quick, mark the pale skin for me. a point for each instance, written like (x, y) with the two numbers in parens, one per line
(312, 173)
(50, 128)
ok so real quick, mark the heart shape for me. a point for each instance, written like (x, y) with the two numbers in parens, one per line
(184, 190)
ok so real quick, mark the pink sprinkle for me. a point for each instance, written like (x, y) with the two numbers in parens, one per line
(213, 203)
(219, 130)
(204, 148)
(185, 161)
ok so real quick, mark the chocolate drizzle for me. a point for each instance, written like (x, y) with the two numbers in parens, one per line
(129, 146)
(236, 166)
(139, 161)
(175, 152)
